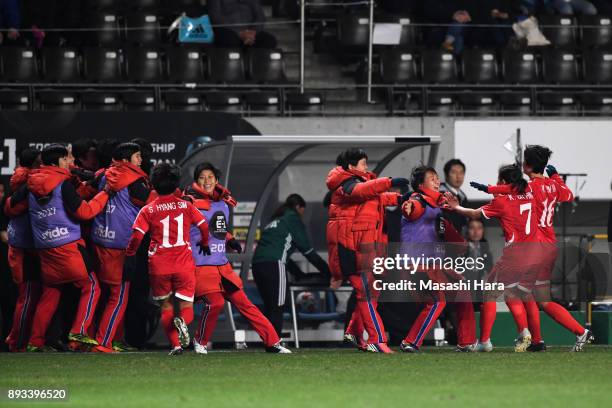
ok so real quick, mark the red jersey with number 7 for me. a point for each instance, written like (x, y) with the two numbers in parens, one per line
(168, 219)
(547, 193)
(516, 213)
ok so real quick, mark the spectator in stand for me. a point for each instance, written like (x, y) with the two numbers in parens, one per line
(445, 12)
(41, 15)
(454, 176)
(10, 21)
(244, 20)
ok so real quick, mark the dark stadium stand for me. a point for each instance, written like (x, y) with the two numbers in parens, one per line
(128, 48)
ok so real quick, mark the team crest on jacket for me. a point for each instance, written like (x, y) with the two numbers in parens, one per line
(218, 225)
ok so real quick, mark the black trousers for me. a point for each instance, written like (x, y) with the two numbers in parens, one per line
(271, 281)
(225, 37)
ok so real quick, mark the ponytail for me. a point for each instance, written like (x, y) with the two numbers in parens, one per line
(513, 175)
(292, 201)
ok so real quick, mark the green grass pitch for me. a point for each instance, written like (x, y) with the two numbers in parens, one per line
(317, 378)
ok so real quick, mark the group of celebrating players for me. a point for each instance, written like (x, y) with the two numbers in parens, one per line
(525, 211)
(70, 227)
(64, 230)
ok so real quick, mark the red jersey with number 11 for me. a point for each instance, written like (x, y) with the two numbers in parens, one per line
(547, 193)
(168, 219)
(516, 213)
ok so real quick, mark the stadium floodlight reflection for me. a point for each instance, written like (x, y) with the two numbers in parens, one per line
(255, 163)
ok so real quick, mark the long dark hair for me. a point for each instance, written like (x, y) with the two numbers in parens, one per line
(512, 174)
(292, 201)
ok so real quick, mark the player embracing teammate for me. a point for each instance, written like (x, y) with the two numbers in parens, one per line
(547, 192)
(110, 232)
(355, 236)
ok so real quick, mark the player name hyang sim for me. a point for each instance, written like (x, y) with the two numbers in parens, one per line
(407, 285)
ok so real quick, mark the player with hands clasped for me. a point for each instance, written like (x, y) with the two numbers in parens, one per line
(168, 219)
(215, 277)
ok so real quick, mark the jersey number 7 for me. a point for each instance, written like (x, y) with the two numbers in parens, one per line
(523, 208)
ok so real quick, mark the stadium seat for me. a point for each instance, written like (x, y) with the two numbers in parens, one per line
(144, 64)
(227, 101)
(398, 66)
(438, 66)
(137, 100)
(596, 103)
(58, 100)
(262, 103)
(106, 27)
(479, 66)
(559, 30)
(147, 28)
(477, 104)
(599, 30)
(515, 103)
(61, 64)
(409, 34)
(185, 64)
(441, 104)
(14, 99)
(19, 64)
(353, 31)
(559, 66)
(557, 104)
(105, 4)
(102, 64)
(143, 4)
(519, 67)
(100, 101)
(308, 103)
(598, 66)
(267, 66)
(183, 101)
(226, 65)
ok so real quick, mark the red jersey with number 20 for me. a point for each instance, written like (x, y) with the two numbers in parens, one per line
(547, 193)
(516, 213)
(168, 219)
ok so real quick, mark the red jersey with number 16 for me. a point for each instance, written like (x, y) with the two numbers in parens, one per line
(548, 192)
(168, 219)
(516, 213)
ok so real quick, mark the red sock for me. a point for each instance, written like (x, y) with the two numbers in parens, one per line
(518, 312)
(488, 310)
(167, 321)
(563, 317)
(533, 318)
(187, 314)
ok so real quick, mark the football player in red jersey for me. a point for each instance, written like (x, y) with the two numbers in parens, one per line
(547, 192)
(168, 219)
(517, 268)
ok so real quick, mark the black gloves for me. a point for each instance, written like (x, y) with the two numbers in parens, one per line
(235, 245)
(551, 170)
(204, 249)
(399, 182)
(478, 186)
